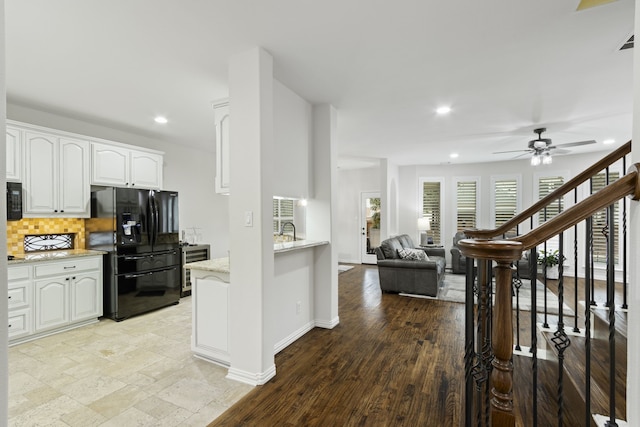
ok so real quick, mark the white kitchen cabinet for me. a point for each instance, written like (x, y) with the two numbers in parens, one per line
(47, 297)
(14, 154)
(56, 178)
(210, 323)
(19, 301)
(119, 166)
(221, 117)
(86, 296)
(51, 303)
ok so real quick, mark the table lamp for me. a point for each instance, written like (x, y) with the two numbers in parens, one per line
(424, 225)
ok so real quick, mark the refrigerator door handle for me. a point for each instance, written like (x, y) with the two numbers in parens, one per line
(152, 218)
(135, 258)
(133, 276)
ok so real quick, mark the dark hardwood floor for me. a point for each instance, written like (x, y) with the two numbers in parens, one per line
(398, 361)
(392, 361)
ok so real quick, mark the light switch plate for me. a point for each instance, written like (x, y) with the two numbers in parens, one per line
(248, 219)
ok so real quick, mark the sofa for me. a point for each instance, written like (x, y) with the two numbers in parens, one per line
(458, 261)
(408, 275)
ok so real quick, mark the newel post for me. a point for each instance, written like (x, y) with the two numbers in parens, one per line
(503, 252)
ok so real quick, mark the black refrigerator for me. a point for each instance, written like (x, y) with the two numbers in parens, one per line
(139, 229)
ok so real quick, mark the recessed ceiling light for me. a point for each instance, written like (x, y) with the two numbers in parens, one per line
(443, 110)
(608, 141)
(161, 119)
(454, 155)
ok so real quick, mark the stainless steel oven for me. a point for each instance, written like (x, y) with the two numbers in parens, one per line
(192, 253)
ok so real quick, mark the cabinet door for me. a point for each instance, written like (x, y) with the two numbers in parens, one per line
(75, 189)
(110, 165)
(41, 171)
(221, 112)
(51, 303)
(210, 336)
(19, 324)
(86, 296)
(146, 170)
(14, 154)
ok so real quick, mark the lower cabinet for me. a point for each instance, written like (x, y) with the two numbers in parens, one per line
(210, 334)
(51, 296)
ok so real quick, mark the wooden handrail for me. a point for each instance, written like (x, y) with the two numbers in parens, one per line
(554, 195)
(506, 251)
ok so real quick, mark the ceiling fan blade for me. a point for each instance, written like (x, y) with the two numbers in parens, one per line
(512, 151)
(575, 144)
(586, 4)
(561, 151)
(520, 155)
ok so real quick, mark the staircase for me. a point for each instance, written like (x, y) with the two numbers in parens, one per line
(581, 378)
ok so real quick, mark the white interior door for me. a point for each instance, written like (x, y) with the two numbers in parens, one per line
(369, 226)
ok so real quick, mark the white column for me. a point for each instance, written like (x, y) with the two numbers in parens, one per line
(250, 215)
(633, 340)
(4, 362)
(320, 215)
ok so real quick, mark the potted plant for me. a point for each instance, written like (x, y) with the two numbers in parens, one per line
(550, 261)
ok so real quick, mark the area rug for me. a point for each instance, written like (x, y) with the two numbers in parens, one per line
(453, 289)
(342, 268)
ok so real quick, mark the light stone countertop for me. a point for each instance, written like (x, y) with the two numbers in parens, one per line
(52, 255)
(219, 265)
(298, 244)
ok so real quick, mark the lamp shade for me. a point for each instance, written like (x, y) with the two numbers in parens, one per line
(424, 223)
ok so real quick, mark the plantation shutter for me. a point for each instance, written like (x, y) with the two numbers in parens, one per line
(431, 209)
(506, 202)
(598, 182)
(466, 205)
(546, 185)
(282, 211)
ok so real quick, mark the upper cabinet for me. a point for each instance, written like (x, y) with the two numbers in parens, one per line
(14, 154)
(56, 176)
(221, 113)
(125, 167)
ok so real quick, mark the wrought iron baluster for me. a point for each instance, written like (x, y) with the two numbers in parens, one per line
(516, 283)
(470, 356)
(587, 317)
(533, 273)
(560, 339)
(611, 422)
(624, 244)
(590, 264)
(545, 324)
(575, 269)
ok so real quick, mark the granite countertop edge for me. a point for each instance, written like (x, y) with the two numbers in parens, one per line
(53, 256)
(218, 265)
(300, 244)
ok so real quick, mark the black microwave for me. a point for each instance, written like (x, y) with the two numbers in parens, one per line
(14, 200)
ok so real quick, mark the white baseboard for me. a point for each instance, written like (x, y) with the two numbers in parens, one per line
(328, 325)
(252, 378)
(279, 346)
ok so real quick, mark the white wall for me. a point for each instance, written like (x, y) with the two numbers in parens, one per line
(190, 171)
(351, 184)
(292, 136)
(4, 362)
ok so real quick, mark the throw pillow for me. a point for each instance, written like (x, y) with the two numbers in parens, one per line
(412, 254)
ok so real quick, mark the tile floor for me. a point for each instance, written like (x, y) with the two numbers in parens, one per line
(139, 372)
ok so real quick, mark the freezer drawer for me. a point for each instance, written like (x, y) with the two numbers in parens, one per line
(145, 291)
(132, 263)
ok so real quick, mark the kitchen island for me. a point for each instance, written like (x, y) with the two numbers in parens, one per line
(210, 316)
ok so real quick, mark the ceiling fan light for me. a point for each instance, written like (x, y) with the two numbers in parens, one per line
(547, 159)
(535, 160)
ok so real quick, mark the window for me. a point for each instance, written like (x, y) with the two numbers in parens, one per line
(466, 205)
(431, 207)
(282, 212)
(505, 202)
(598, 182)
(546, 185)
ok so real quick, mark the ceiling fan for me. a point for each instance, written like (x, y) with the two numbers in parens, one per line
(541, 148)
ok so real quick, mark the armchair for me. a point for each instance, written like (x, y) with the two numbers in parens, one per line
(458, 261)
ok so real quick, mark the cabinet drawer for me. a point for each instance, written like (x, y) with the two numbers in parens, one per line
(19, 323)
(18, 295)
(18, 273)
(67, 267)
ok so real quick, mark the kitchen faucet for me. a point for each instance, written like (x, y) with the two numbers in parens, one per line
(292, 226)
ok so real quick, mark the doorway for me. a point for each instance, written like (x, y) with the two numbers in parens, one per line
(369, 226)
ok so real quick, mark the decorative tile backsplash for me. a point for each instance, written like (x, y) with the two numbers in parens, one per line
(17, 230)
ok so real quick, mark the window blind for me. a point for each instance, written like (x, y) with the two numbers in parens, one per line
(282, 211)
(506, 202)
(598, 182)
(466, 195)
(546, 185)
(431, 208)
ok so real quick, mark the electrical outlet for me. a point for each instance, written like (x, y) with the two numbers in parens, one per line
(298, 307)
